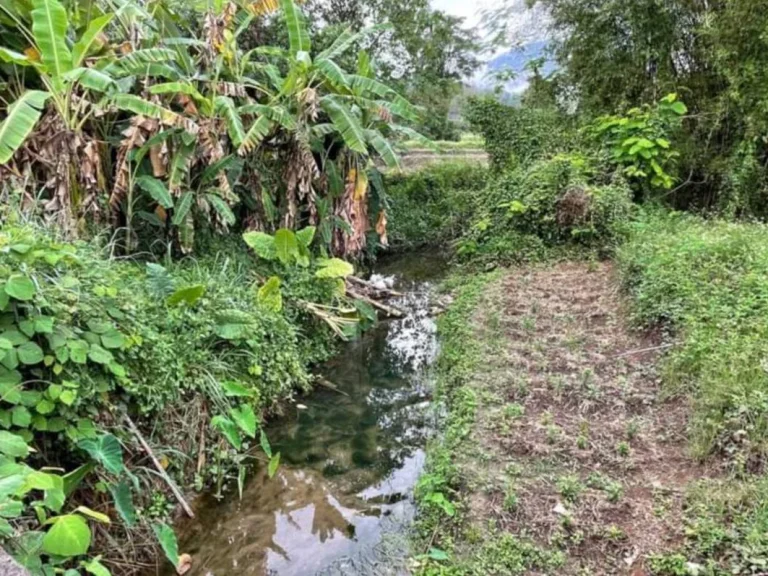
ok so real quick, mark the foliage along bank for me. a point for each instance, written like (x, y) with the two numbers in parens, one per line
(100, 354)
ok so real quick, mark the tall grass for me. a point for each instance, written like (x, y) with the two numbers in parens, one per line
(707, 282)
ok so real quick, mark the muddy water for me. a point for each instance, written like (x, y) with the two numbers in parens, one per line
(341, 502)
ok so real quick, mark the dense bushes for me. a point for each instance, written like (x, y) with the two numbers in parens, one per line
(88, 342)
(708, 281)
(433, 204)
(515, 136)
(518, 214)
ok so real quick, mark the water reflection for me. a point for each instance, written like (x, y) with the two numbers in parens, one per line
(340, 501)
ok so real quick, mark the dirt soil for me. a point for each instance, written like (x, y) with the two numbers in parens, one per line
(574, 445)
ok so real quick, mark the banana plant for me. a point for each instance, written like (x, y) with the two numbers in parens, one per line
(61, 72)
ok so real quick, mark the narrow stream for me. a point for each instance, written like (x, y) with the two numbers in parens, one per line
(342, 500)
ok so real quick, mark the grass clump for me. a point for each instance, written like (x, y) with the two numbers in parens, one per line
(707, 282)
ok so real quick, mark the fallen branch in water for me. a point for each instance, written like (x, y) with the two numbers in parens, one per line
(163, 474)
(330, 385)
(376, 290)
(389, 310)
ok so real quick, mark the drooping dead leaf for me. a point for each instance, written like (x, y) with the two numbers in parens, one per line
(263, 7)
(381, 228)
(125, 48)
(185, 563)
(161, 213)
(32, 54)
(361, 186)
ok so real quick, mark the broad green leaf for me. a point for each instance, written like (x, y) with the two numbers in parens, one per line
(346, 123)
(188, 294)
(256, 134)
(245, 418)
(348, 38)
(14, 57)
(156, 189)
(105, 450)
(228, 429)
(45, 407)
(286, 245)
(43, 325)
(99, 355)
(222, 209)
(21, 417)
(182, 208)
(334, 268)
(274, 112)
(137, 105)
(22, 116)
(261, 243)
(679, 108)
(179, 168)
(20, 287)
(83, 45)
(176, 88)
(13, 445)
(11, 484)
(121, 494)
(298, 36)
(306, 235)
(332, 72)
(226, 107)
(112, 340)
(269, 295)
(69, 536)
(68, 397)
(235, 389)
(30, 353)
(91, 79)
(49, 28)
(383, 148)
(167, 538)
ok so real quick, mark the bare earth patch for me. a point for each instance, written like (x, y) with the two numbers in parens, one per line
(574, 447)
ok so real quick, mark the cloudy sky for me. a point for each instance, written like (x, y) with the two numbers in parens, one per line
(469, 9)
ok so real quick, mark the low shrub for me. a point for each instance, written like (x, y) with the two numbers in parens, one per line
(90, 344)
(434, 204)
(707, 280)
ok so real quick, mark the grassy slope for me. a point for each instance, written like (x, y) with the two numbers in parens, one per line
(563, 455)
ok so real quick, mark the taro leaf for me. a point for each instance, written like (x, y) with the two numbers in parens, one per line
(11, 484)
(13, 445)
(234, 389)
(20, 287)
(167, 538)
(286, 245)
(69, 536)
(274, 463)
(228, 429)
(121, 493)
(261, 243)
(245, 418)
(264, 441)
(334, 268)
(73, 479)
(189, 294)
(99, 355)
(106, 450)
(306, 235)
(30, 353)
(269, 295)
(112, 340)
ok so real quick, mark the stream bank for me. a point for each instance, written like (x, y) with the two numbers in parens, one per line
(342, 500)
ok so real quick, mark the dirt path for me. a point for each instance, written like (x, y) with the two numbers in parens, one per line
(573, 448)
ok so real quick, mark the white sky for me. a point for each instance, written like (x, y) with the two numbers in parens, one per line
(469, 9)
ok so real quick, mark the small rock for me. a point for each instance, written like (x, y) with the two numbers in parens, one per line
(561, 510)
